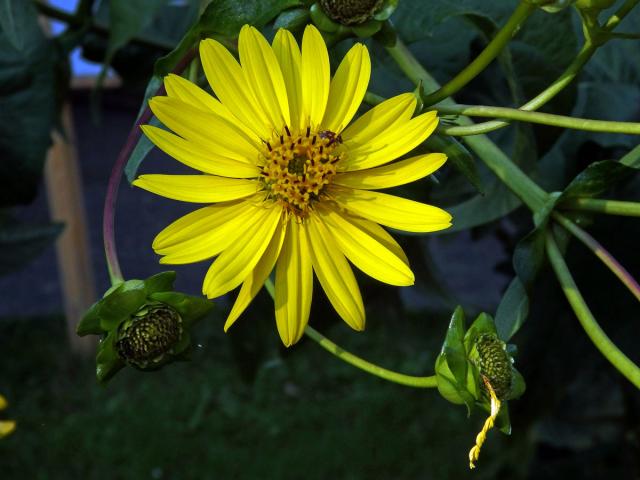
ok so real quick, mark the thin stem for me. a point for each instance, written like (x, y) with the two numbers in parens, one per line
(610, 207)
(509, 173)
(492, 50)
(542, 118)
(625, 35)
(592, 244)
(108, 230)
(350, 358)
(585, 54)
(373, 369)
(599, 338)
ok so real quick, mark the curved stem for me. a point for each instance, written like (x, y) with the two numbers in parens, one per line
(364, 365)
(542, 118)
(610, 207)
(556, 87)
(599, 338)
(373, 369)
(108, 230)
(492, 50)
(592, 244)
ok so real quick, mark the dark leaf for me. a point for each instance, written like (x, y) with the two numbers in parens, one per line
(28, 106)
(190, 308)
(160, 282)
(14, 21)
(512, 310)
(108, 363)
(458, 155)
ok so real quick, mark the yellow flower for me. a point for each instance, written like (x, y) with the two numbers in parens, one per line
(291, 186)
(6, 426)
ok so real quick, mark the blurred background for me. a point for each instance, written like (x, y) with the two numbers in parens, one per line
(245, 407)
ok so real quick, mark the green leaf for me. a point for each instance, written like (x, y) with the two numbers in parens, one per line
(142, 148)
(108, 363)
(160, 282)
(121, 303)
(226, 17)
(29, 104)
(458, 155)
(127, 18)
(292, 20)
(482, 324)
(495, 203)
(597, 178)
(13, 18)
(190, 308)
(512, 310)
(453, 346)
(90, 322)
(19, 244)
(518, 385)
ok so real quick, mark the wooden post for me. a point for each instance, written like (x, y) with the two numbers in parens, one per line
(66, 204)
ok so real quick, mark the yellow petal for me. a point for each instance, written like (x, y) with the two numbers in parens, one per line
(6, 427)
(3, 402)
(365, 251)
(207, 129)
(315, 72)
(392, 211)
(198, 222)
(211, 242)
(335, 275)
(387, 115)
(288, 54)
(264, 77)
(228, 83)
(234, 264)
(379, 234)
(182, 89)
(198, 188)
(347, 89)
(254, 282)
(294, 284)
(391, 144)
(195, 156)
(392, 175)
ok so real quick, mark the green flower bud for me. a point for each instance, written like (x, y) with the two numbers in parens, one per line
(350, 12)
(495, 364)
(144, 340)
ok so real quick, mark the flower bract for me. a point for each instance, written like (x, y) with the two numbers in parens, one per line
(291, 182)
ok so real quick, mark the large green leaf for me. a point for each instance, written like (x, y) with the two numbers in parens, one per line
(28, 106)
(13, 19)
(19, 244)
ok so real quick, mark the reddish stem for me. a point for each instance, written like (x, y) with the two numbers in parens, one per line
(108, 228)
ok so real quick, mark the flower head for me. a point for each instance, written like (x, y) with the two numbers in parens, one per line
(292, 185)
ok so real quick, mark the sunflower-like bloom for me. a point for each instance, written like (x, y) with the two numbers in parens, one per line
(291, 186)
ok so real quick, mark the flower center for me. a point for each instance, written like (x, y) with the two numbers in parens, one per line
(298, 167)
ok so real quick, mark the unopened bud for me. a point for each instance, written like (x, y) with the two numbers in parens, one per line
(145, 339)
(495, 364)
(350, 12)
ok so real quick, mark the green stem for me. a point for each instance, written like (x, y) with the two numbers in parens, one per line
(492, 50)
(599, 338)
(625, 35)
(592, 244)
(508, 172)
(558, 85)
(350, 358)
(373, 369)
(610, 207)
(542, 118)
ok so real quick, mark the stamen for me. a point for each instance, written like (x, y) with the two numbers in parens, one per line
(269, 146)
(308, 131)
(286, 129)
